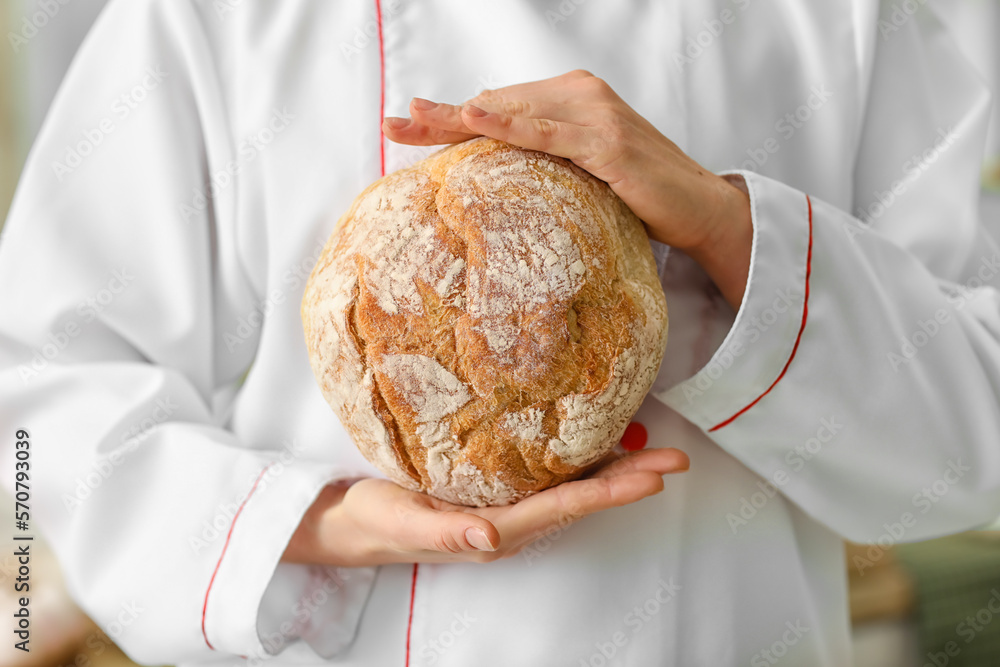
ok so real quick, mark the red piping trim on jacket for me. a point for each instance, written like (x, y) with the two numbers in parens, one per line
(381, 102)
(409, 622)
(802, 327)
(381, 116)
(204, 606)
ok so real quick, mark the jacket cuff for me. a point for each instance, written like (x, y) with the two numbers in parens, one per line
(252, 596)
(320, 604)
(770, 319)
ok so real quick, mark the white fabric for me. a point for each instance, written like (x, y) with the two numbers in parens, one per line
(133, 305)
(976, 25)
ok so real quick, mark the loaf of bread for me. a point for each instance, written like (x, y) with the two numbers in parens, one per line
(485, 322)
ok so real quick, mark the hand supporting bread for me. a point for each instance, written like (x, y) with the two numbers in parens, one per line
(579, 117)
(375, 521)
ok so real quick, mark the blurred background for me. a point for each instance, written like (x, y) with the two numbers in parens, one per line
(931, 603)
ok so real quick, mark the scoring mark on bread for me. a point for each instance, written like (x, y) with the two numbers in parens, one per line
(378, 402)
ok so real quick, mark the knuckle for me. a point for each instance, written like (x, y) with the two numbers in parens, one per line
(596, 86)
(580, 74)
(574, 509)
(437, 543)
(445, 543)
(547, 130)
(517, 108)
(505, 123)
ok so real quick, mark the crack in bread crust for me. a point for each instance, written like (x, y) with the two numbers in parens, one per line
(381, 407)
(494, 286)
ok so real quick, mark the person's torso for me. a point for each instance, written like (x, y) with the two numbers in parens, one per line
(718, 569)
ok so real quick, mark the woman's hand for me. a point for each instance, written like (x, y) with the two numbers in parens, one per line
(579, 117)
(374, 521)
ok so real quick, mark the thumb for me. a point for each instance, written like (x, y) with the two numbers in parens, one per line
(454, 532)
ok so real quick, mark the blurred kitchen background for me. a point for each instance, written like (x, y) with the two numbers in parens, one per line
(935, 603)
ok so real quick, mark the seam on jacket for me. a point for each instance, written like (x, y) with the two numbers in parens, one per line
(204, 606)
(381, 146)
(409, 622)
(798, 338)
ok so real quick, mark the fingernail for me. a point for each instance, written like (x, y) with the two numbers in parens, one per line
(422, 104)
(475, 111)
(394, 123)
(477, 538)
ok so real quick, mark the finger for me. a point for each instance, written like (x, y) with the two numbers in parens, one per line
(661, 461)
(541, 134)
(562, 91)
(437, 114)
(571, 501)
(433, 120)
(430, 124)
(555, 104)
(447, 532)
(408, 131)
(433, 123)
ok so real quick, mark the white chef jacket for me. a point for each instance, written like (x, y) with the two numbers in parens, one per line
(195, 161)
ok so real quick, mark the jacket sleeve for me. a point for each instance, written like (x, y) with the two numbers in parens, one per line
(115, 302)
(861, 376)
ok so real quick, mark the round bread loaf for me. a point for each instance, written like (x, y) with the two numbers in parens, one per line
(485, 322)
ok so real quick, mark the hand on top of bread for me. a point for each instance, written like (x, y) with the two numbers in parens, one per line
(579, 117)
